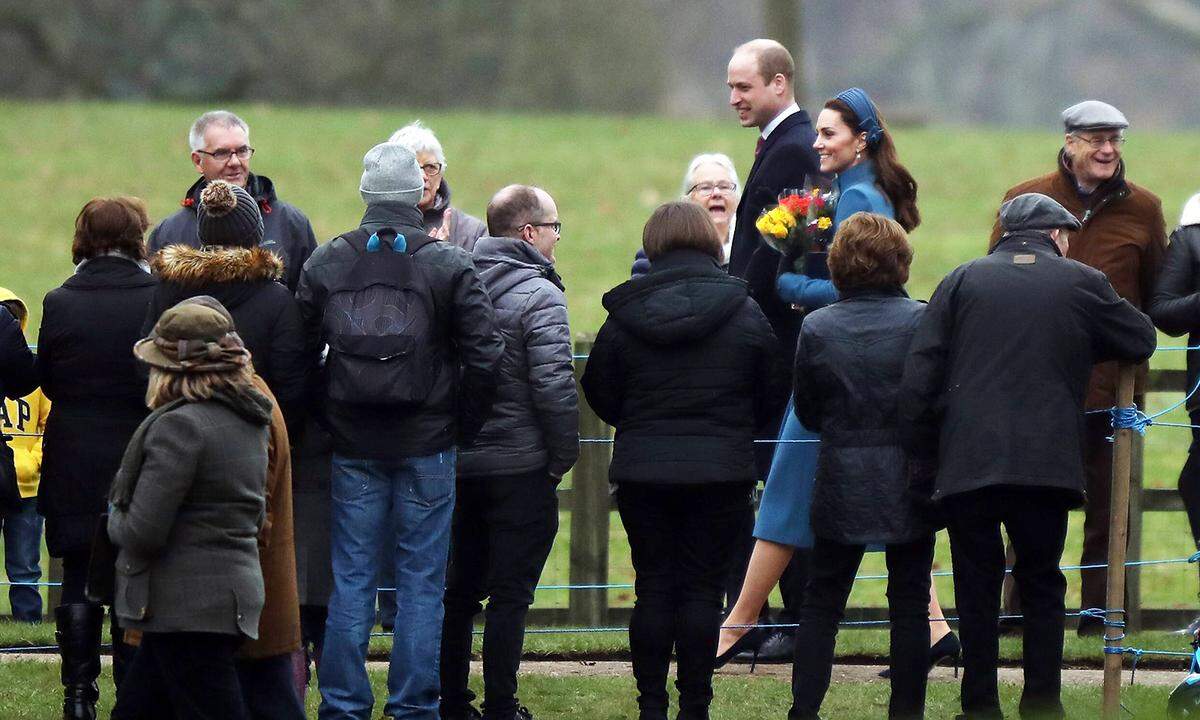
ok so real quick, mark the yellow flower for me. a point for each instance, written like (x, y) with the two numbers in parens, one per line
(777, 222)
(824, 223)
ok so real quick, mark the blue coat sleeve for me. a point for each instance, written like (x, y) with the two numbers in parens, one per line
(811, 293)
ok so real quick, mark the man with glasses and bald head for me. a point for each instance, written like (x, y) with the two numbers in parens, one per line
(221, 150)
(1123, 235)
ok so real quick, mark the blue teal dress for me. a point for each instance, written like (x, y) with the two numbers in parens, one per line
(783, 514)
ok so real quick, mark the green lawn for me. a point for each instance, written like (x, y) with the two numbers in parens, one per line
(607, 174)
(32, 693)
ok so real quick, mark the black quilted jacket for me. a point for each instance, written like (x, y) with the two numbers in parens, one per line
(685, 369)
(535, 416)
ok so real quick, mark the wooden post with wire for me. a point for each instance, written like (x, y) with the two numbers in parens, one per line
(1118, 534)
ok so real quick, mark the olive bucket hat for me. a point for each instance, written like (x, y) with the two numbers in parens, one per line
(197, 335)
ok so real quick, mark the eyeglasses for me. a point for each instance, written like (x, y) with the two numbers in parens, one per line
(555, 226)
(432, 169)
(706, 189)
(1097, 143)
(222, 156)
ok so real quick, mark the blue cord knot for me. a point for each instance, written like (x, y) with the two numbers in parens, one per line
(1195, 557)
(1130, 418)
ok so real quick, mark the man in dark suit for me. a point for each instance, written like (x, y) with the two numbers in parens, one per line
(760, 90)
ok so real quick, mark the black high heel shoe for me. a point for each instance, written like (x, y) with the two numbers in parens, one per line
(947, 648)
(751, 641)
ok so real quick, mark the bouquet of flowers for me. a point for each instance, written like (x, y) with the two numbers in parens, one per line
(801, 223)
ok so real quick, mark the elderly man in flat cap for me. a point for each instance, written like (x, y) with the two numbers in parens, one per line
(1122, 235)
(993, 392)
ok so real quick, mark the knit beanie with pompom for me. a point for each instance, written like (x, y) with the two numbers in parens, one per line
(228, 216)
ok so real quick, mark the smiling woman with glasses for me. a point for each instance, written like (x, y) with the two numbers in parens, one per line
(442, 220)
(710, 181)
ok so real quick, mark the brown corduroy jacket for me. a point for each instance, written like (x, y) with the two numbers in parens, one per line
(1123, 236)
(279, 624)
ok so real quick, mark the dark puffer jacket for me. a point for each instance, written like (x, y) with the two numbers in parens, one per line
(848, 366)
(535, 418)
(87, 369)
(996, 376)
(685, 367)
(1175, 304)
(246, 282)
(461, 397)
(17, 379)
(286, 230)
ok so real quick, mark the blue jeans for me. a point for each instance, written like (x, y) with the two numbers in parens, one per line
(22, 553)
(407, 503)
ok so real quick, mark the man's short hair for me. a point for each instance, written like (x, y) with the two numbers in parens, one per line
(512, 208)
(220, 118)
(869, 251)
(681, 225)
(420, 139)
(773, 58)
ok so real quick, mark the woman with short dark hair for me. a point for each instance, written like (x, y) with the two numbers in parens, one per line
(97, 391)
(681, 368)
(849, 361)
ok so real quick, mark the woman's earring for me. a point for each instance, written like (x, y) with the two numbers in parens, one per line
(857, 154)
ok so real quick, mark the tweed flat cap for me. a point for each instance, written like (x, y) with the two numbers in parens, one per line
(1093, 115)
(1035, 211)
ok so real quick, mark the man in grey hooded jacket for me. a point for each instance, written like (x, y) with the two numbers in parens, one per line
(506, 511)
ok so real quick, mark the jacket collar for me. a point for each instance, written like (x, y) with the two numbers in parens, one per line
(260, 187)
(397, 216)
(108, 271)
(505, 262)
(194, 267)
(800, 117)
(684, 258)
(861, 174)
(854, 293)
(1027, 240)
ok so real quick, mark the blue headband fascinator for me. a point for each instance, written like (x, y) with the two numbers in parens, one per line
(868, 120)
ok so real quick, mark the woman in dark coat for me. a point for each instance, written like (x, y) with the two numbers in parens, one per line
(849, 361)
(85, 367)
(678, 369)
(1175, 309)
(188, 506)
(245, 278)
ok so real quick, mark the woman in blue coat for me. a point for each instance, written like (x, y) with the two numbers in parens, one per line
(853, 144)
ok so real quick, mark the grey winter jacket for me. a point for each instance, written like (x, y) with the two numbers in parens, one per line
(188, 503)
(535, 417)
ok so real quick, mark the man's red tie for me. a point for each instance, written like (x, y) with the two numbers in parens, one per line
(758, 145)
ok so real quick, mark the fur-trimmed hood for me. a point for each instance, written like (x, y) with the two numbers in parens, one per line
(194, 267)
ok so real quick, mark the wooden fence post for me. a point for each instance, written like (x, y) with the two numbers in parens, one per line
(1133, 577)
(1118, 533)
(589, 512)
(54, 574)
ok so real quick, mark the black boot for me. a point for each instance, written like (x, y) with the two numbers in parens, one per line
(79, 644)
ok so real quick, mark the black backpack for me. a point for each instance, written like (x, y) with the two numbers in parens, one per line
(381, 324)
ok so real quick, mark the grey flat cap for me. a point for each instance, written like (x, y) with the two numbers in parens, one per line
(1035, 211)
(1093, 115)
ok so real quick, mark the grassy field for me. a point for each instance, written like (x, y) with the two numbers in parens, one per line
(607, 174)
(31, 693)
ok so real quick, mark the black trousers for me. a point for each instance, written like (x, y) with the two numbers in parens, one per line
(833, 568)
(1189, 481)
(502, 532)
(189, 676)
(679, 538)
(267, 688)
(1036, 522)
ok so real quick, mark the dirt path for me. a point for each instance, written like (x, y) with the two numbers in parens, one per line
(841, 673)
